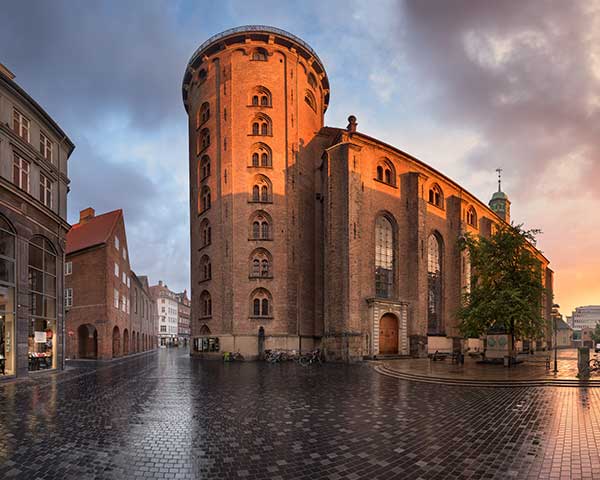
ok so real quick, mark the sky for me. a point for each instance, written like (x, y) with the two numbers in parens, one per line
(466, 86)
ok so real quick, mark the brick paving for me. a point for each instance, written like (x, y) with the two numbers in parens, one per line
(165, 415)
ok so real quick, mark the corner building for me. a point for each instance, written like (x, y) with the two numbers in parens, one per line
(304, 235)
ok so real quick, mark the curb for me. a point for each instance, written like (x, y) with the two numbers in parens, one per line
(485, 383)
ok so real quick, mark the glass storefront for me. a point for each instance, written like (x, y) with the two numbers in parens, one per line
(42, 289)
(7, 299)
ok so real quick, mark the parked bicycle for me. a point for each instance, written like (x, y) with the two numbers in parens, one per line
(310, 358)
(276, 356)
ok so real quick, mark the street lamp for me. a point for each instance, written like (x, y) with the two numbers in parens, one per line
(555, 315)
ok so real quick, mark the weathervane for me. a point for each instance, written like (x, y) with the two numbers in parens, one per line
(499, 170)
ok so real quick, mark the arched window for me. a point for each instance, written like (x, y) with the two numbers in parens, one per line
(261, 304)
(42, 294)
(262, 125)
(310, 100)
(384, 257)
(205, 199)
(204, 167)
(204, 138)
(472, 217)
(260, 264)
(434, 285)
(261, 96)
(261, 155)
(7, 296)
(436, 197)
(260, 226)
(205, 232)
(259, 54)
(204, 330)
(205, 304)
(203, 114)
(205, 268)
(386, 172)
(261, 189)
(312, 81)
(201, 76)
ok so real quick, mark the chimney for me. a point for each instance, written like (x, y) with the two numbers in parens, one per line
(6, 72)
(86, 215)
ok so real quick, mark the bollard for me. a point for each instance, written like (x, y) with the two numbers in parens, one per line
(583, 362)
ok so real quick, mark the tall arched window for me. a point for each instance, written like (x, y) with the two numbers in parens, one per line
(436, 197)
(204, 138)
(434, 285)
(204, 167)
(261, 189)
(204, 112)
(205, 268)
(261, 304)
(205, 232)
(310, 100)
(472, 217)
(205, 199)
(261, 155)
(312, 81)
(42, 290)
(386, 172)
(205, 304)
(7, 297)
(260, 226)
(384, 257)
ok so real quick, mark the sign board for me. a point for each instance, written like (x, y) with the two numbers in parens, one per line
(39, 337)
(497, 346)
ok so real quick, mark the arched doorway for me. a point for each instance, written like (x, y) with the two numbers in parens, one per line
(116, 343)
(125, 342)
(388, 334)
(261, 342)
(87, 340)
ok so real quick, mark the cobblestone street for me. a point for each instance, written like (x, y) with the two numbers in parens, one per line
(165, 415)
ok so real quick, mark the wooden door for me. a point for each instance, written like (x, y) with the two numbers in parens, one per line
(388, 334)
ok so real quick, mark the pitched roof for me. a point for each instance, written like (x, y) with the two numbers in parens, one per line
(94, 231)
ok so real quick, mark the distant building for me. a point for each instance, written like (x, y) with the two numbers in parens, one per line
(167, 308)
(564, 334)
(34, 182)
(183, 317)
(143, 313)
(98, 291)
(585, 317)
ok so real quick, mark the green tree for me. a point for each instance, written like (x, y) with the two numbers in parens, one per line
(506, 285)
(596, 334)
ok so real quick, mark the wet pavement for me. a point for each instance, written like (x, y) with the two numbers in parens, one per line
(165, 415)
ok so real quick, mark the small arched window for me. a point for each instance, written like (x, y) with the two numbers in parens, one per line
(255, 100)
(204, 138)
(204, 167)
(261, 189)
(310, 100)
(259, 54)
(260, 226)
(201, 76)
(262, 125)
(204, 112)
(205, 304)
(205, 268)
(205, 199)
(260, 265)
(261, 155)
(472, 217)
(260, 305)
(312, 81)
(205, 232)
(261, 96)
(386, 172)
(436, 196)
(256, 128)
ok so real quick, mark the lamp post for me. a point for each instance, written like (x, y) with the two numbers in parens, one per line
(554, 315)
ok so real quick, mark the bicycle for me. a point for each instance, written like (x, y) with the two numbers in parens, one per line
(310, 358)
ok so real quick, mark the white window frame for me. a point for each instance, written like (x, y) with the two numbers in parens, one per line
(124, 253)
(46, 147)
(68, 268)
(23, 125)
(116, 242)
(116, 270)
(68, 297)
(23, 166)
(117, 297)
(45, 190)
(124, 277)
(124, 303)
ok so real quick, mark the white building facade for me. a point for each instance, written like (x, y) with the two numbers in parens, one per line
(585, 317)
(167, 307)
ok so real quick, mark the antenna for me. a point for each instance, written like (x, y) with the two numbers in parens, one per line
(499, 170)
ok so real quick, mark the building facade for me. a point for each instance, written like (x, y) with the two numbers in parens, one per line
(183, 317)
(585, 317)
(34, 154)
(143, 314)
(98, 284)
(167, 308)
(304, 235)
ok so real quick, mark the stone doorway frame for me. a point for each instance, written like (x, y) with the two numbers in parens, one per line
(377, 308)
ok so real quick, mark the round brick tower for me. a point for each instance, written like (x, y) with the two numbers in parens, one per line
(255, 98)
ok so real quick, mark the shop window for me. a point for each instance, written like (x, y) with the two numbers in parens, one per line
(7, 298)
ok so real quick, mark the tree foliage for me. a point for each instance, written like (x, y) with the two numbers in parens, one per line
(596, 334)
(506, 285)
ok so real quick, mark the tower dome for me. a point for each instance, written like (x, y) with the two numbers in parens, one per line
(499, 203)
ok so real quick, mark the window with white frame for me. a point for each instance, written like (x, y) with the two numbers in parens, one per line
(68, 297)
(123, 303)
(124, 253)
(45, 191)
(45, 147)
(163, 329)
(116, 242)
(68, 268)
(21, 125)
(116, 298)
(21, 173)
(116, 270)
(124, 278)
